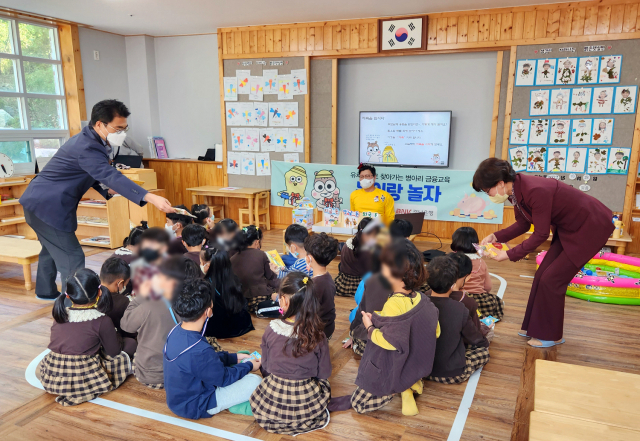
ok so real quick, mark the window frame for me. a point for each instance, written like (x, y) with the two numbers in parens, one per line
(27, 133)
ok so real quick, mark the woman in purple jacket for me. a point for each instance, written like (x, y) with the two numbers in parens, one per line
(581, 227)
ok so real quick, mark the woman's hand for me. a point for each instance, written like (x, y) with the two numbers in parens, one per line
(502, 255)
(366, 319)
(489, 239)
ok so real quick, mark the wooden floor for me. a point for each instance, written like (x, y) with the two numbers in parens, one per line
(598, 335)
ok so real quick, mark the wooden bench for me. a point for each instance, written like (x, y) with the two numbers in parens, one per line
(21, 251)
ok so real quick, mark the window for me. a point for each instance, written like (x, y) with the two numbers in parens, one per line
(33, 116)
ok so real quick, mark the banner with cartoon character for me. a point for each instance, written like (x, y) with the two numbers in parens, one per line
(444, 195)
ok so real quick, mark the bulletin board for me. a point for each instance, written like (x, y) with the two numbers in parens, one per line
(256, 68)
(608, 188)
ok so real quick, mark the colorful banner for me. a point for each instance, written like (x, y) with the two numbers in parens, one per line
(444, 195)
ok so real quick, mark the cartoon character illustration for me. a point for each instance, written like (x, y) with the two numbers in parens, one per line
(559, 101)
(526, 71)
(610, 69)
(587, 71)
(388, 155)
(566, 72)
(581, 132)
(575, 162)
(518, 160)
(435, 158)
(556, 160)
(626, 100)
(471, 205)
(602, 98)
(325, 190)
(373, 152)
(620, 161)
(295, 185)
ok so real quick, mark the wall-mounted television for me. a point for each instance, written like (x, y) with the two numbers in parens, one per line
(414, 139)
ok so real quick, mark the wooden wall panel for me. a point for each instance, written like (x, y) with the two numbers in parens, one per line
(73, 79)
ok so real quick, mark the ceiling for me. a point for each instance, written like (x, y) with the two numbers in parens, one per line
(177, 17)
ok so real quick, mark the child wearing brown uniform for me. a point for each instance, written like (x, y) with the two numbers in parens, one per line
(354, 258)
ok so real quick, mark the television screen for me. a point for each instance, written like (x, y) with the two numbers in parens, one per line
(405, 138)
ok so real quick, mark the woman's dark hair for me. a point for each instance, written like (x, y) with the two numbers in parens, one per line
(246, 236)
(400, 229)
(192, 298)
(443, 273)
(357, 239)
(223, 281)
(405, 263)
(135, 235)
(303, 305)
(156, 234)
(490, 172)
(106, 110)
(193, 235)
(465, 266)
(322, 247)
(201, 212)
(182, 219)
(363, 167)
(180, 268)
(83, 286)
(463, 239)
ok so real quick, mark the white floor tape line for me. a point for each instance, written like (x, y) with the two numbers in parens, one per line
(526, 277)
(30, 375)
(472, 383)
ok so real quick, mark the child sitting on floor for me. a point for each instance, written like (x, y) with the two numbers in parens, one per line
(255, 273)
(478, 283)
(354, 257)
(86, 358)
(295, 259)
(321, 250)
(150, 316)
(174, 226)
(230, 316)
(114, 277)
(458, 294)
(199, 381)
(461, 347)
(402, 337)
(223, 235)
(131, 246)
(204, 217)
(295, 392)
(400, 229)
(193, 239)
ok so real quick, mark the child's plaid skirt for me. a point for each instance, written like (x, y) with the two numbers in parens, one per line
(252, 303)
(214, 343)
(347, 285)
(363, 402)
(291, 407)
(357, 345)
(489, 304)
(476, 358)
(155, 386)
(80, 378)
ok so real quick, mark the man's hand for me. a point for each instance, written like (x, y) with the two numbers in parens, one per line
(161, 203)
(112, 192)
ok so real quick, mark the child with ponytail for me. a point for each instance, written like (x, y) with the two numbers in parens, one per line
(87, 358)
(294, 394)
(355, 259)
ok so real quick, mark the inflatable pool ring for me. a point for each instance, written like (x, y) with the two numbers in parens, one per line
(607, 278)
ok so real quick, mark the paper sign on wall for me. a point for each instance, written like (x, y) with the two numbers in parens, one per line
(296, 140)
(275, 115)
(232, 114)
(299, 81)
(270, 78)
(255, 88)
(263, 164)
(246, 113)
(293, 158)
(284, 87)
(290, 114)
(252, 140)
(230, 88)
(268, 140)
(260, 114)
(248, 163)
(233, 163)
(243, 81)
(237, 139)
(282, 140)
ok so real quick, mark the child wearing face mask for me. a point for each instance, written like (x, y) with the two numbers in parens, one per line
(295, 259)
(461, 348)
(114, 277)
(131, 246)
(294, 394)
(193, 239)
(223, 235)
(204, 217)
(355, 259)
(256, 275)
(174, 226)
(371, 198)
(199, 381)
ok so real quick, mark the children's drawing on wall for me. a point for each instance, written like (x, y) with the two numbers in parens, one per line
(260, 114)
(580, 101)
(518, 156)
(597, 161)
(610, 67)
(559, 131)
(252, 140)
(243, 81)
(233, 114)
(566, 73)
(233, 163)
(602, 100)
(290, 114)
(557, 157)
(576, 159)
(282, 140)
(275, 115)
(581, 131)
(539, 131)
(560, 102)
(389, 155)
(267, 140)
(248, 163)
(296, 140)
(293, 158)
(519, 131)
(299, 81)
(295, 183)
(373, 152)
(525, 73)
(539, 104)
(618, 161)
(284, 87)
(255, 88)
(602, 131)
(270, 78)
(536, 157)
(238, 139)
(545, 72)
(263, 164)
(325, 190)
(625, 100)
(230, 88)
(587, 70)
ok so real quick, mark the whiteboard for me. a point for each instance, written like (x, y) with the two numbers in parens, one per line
(405, 138)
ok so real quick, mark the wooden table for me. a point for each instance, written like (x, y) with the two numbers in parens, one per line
(20, 251)
(248, 193)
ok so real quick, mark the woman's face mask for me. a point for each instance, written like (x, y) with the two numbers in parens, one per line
(501, 195)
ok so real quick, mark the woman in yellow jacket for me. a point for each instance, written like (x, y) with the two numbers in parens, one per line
(370, 198)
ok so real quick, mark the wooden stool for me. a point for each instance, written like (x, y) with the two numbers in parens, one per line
(215, 208)
(261, 208)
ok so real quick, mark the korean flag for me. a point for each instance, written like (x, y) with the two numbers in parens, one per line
(402, 34)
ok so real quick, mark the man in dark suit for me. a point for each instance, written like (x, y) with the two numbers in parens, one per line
(51, 199)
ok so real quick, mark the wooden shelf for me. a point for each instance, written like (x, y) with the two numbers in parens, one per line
(15, 184)
(13, 222)
(100, 207)
(10, 203)
(93, 225)
(91, 244)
